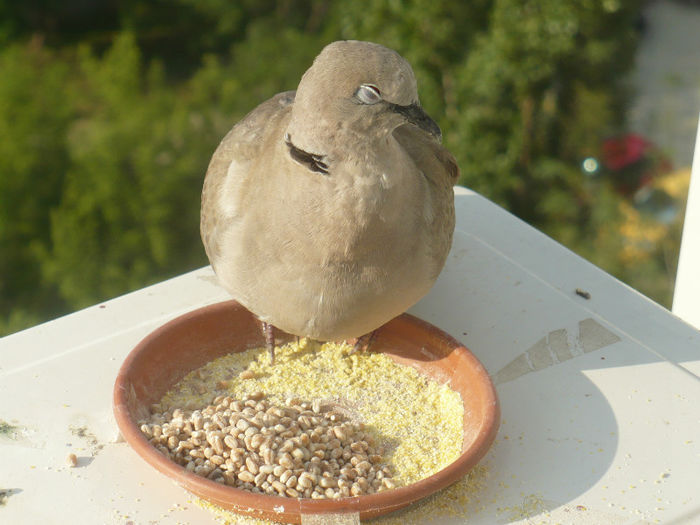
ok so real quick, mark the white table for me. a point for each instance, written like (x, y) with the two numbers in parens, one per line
(600, 396)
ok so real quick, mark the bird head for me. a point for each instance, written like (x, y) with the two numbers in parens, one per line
(359, 90)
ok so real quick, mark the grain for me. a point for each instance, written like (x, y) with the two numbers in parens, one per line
(364, 421)
(243, 467)
(72, 460)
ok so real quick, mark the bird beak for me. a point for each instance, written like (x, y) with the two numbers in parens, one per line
(415, 115)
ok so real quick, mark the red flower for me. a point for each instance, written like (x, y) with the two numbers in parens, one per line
(623, 151)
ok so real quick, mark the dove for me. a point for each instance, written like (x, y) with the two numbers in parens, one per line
(329, 210)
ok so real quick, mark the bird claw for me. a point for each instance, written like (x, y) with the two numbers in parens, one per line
(364, 342)
(269, 340)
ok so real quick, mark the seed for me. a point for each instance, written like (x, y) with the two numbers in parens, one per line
(185, 445)
(285, 460)
(266, 469)
(246, 476)
(213, 436)
(197, 419)
(256, 422)
(72, 460)
(363, 466)
(340, 433)
(196, 453)
(304, 482)
(146, 431)
(229, 478)
(269, 449)
(356, 447)
(267, 454)
(327, 482)
(259, 478)
(292, 401)
(251, 464)
(285, 476)
(256, 440)
(246, 374)
(308, 475)
(203, 470)
(304, 422)
(218, 420)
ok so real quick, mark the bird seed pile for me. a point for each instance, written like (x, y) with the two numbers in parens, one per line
(320, 423)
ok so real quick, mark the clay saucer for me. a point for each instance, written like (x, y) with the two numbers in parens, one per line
(184, 344)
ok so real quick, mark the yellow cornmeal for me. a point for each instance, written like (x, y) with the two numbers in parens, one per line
(417, 420)
(459, 500)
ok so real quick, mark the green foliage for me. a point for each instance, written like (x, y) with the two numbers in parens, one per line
(129, 212)
(524, 91)
(108, 123)
(34, 118)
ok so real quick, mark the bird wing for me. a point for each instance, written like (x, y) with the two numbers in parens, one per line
(234, 155)
(431, 158)
(440, 170)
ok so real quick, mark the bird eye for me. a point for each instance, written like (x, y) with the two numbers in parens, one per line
(368, 94)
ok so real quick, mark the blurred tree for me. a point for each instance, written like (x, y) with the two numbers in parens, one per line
(35, 113)
(524, 92)
(126, 216)
(108, 120)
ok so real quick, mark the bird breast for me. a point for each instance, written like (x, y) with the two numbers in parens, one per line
(333, 256)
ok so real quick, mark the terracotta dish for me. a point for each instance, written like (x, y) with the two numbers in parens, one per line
(192, 340)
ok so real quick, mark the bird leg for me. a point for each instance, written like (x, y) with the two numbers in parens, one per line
(364, 342)
(267, 329)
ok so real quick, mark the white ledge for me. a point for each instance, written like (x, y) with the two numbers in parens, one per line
(599, 391)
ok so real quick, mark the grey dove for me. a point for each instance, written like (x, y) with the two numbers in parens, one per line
(328, 211)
